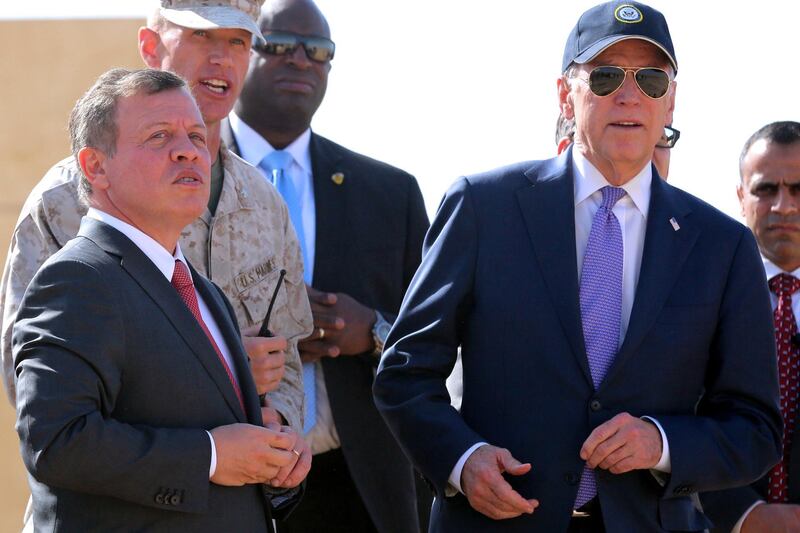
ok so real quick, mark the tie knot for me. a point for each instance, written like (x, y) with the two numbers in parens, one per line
(180, 276)
(784, 284)
(611, 195)
(278, 160)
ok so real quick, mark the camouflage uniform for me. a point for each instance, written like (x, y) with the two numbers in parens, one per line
(242, 249)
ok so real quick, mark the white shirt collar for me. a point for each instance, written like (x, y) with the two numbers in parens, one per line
(254, 147)
(589, 180)
(773, 270)
(161, 258)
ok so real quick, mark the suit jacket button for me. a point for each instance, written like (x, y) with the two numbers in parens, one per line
(160, 497)
(595, 405)
(174, 499)
(571, 478)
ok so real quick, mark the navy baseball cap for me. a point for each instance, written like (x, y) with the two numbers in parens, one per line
(612, 22)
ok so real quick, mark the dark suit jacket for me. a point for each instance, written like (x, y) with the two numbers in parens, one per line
(116, 385)
(499, 277)
(368, 245)
(726, 507)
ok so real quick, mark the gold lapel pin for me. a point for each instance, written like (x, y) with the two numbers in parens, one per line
(337, 178)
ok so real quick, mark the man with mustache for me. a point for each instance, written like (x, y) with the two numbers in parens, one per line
(136, 409)
(769, 194)
(241, 241)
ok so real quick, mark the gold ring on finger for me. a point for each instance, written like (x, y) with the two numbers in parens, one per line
(321, 333)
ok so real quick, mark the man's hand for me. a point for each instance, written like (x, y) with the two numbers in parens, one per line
(622, 444)
(250, 454)
(485, 488)
(342, 326)
(773, 518)
(267, 359)
(271, 417)
(294, 473)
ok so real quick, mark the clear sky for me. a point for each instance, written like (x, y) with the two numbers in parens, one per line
(444, 88)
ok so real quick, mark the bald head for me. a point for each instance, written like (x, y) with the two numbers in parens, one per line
(281, 15)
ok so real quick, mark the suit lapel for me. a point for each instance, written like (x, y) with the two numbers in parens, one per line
(153, 282)
(331, 204)
(665, 251)
(548, 209)
(233, 340)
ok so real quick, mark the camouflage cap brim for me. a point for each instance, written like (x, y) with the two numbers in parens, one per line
(212, 17)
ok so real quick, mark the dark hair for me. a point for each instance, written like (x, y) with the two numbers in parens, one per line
(783, 132)
(92, 121)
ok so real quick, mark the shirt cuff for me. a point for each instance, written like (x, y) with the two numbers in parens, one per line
(737, 528)
(213, 467)
(455, 475)
(664, 464)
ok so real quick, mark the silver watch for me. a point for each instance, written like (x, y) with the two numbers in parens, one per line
(379, 332)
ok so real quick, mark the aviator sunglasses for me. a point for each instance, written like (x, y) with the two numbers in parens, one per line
(605, 80)
(280, 43)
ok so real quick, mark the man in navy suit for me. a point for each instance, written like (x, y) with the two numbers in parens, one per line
(136, 407)
(616, 340)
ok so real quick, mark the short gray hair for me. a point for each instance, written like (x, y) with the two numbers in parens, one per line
(92, 122)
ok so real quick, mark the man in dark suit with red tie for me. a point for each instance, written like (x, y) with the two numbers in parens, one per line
(136, 409)
(769, 193)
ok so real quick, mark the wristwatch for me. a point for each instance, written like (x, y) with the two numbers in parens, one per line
(379, 333)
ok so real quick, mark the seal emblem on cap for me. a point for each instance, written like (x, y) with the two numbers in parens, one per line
(628, 14)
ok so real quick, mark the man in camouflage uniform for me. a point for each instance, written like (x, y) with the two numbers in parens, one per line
(242, 241)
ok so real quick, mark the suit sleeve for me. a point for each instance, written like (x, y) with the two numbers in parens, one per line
(70, 347)
(421, 350)
(736, 434)
(30, 247)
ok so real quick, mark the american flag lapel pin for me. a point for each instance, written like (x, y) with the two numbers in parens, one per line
(675, 224)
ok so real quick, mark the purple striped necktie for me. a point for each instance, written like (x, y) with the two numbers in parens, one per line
(601, 304)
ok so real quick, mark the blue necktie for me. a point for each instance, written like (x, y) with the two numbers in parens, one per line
(277, 165)
(601, 304)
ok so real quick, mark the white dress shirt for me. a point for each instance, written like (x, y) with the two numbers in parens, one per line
(631, 210)
(253, 148)
(165, 263)
(772, 270)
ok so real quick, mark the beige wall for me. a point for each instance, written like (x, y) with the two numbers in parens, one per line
(45, 66)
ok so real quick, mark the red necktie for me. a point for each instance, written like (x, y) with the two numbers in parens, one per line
(182, 282)
(784, 285)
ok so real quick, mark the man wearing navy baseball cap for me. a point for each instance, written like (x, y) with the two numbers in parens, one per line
(619, 358)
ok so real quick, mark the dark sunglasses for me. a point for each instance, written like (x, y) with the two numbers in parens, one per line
(653, 82)
(280, 43)
(669, 138)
